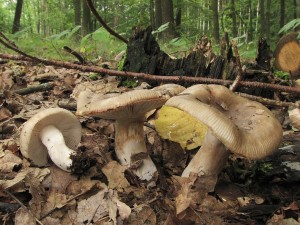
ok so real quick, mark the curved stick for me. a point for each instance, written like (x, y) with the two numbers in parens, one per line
(101, 21)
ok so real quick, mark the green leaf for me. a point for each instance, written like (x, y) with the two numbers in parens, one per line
(290, 26)
(73, 31)
(161, 28)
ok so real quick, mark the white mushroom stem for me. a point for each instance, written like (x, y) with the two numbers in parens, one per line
(210, 158)
(58, 151)
(129, 141)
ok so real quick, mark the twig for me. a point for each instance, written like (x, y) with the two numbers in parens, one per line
(158, 78)
(22, 205)
(76, 54)
(269, 102)
(32, 89)
(239, 76)
(101, 21)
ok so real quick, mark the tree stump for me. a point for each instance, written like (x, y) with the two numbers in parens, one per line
(144, 55)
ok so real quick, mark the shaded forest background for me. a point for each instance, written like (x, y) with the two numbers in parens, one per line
(47, 24)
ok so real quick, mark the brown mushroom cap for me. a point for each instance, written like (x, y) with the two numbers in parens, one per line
(30, 144)
(128, 105)
(245, 127)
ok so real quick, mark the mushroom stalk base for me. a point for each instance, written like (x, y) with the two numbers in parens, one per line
(59, 153)
(210, 158)
(131, 148)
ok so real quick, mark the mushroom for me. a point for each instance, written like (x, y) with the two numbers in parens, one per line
(128, 110)
(54, 131)
(234, 123)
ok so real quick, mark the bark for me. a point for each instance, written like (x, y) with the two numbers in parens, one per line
(168, 17)
(44, 14)
(158, 14)
(262, 17)
(17, 19)
(267, 19)
(233, 16)
(295, 9)
(152, 15)
(86, 26)
(282, 13)
(214, 7)
(250, 29)
(77, 12)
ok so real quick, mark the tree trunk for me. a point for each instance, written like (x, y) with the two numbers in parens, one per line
(168, 17)
(250, 31)
(282, 12)
(214, 7)
(262, 17)
(295, 9)
(77, 12)
(233, 16)
(152, 15)
(86, 26)
(158, 14)
(267, 19)
(17, 19)
(44, 16)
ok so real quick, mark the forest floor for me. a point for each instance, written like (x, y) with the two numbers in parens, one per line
(247, 192)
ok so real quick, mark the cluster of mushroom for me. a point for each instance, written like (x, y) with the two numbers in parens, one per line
(234, 123)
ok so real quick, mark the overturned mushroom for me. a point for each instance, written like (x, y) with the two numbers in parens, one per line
(128, 110)
(234, 123)
(53, 131)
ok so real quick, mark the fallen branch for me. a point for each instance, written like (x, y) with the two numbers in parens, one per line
(158, 78)
(76, 54)
(32, 89)
(7, 39)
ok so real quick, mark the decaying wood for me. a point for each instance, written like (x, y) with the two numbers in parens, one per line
(287, 55)
(145, 56)
(264, 55)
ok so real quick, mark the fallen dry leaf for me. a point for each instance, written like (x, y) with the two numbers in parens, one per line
(142, 214)
(19, 179)
(115, 175)
(23, 217)
(191, 191)
(9, 161)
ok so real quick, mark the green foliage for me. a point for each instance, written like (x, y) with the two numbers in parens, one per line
(101, 43)
(290, 26)
(94, 76)
(130, 83)
(161, 28)
(282, 75)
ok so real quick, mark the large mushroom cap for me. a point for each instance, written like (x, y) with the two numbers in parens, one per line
(132, 104)
(30, 144)
(245, 127)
